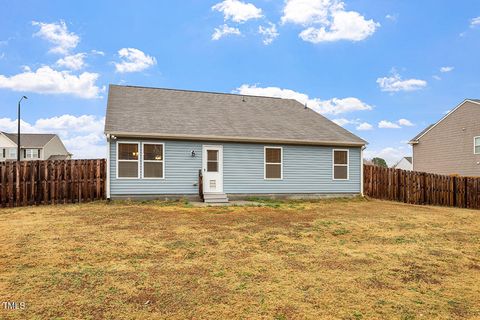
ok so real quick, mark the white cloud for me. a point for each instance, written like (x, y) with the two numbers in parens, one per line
(327, 21)
(342, 121)
(238, 11)
(133, 60)
(475, 22)
(364, 126)
(446, 69)
(58, 35)
(405, 123)
(390, 154)
(391, 17)
(82, 135)
(436, 77)
(395, 83)
(384, 124)
(332, 106)
(72, 62)
(45, 80)
(225, 30)
(269, 33)
(98, 52)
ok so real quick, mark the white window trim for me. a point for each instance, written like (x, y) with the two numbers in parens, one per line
(342, 165)
(265, 162)
(163, 161)
(33, 153)
(139, 157)
(474, 145)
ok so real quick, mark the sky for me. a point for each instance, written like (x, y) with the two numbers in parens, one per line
(382, 69)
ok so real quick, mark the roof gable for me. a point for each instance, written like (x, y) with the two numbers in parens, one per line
(140, 111)
(430, 127)
(31, 140)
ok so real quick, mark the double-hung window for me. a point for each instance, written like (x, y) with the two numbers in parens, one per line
(476, 145)
(153, 166)
(31, 153)
(12, 153)
(128, 160)
(273, 163)
(340, 164)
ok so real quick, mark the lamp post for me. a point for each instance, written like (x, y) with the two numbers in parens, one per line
(18, 133)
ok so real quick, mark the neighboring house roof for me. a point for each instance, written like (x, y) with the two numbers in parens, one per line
(409, 159)
(182, 114)
(421, 134)
(59, 157)
(31, 140)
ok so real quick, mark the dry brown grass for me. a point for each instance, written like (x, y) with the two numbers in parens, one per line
(340, 259)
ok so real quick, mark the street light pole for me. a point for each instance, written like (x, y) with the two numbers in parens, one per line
(18, 132)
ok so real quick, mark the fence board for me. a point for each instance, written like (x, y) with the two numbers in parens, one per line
(421, 188)
(51, 182)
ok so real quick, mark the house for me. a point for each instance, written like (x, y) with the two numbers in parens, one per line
(405, 164)
(159, 140)
(34, 146)
(451, 145)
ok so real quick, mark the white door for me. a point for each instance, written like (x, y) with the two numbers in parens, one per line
(212, 158)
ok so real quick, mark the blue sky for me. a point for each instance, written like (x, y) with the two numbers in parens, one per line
(382, 69)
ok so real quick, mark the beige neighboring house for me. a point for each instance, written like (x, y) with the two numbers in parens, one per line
(405, 164)
(34, 146)
(452, 145)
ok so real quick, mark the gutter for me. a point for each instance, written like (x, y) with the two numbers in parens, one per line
(234, 139)
(107, 183)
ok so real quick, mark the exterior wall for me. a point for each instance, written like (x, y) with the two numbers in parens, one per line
(6, 144)
(448, 147)
(306, 169)
(404, 164)
(54, 147)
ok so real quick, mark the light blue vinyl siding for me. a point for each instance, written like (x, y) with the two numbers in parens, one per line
(306, 169)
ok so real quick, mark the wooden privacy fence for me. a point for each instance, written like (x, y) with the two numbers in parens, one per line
(421, 188)
(51, 182)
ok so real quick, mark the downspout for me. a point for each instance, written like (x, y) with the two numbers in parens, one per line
(107, 189)
(361, 172)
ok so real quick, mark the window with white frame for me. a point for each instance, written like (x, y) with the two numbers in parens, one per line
(273, 163)
(32, 153)
(128, 161)
(12, 153)
(153, 160)
(476, 145)
(340, 164)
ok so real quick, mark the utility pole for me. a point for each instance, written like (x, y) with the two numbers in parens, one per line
(18, 132)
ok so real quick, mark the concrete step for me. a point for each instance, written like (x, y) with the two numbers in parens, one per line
(215, 198)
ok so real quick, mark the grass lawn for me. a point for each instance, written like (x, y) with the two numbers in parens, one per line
(335, 259)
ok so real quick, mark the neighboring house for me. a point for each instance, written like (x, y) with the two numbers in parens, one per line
(159, 140)
(405, 164)
(452, 145)
(34, 146)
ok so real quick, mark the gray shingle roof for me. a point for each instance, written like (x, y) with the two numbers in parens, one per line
(409, 159)
(139, 111)
(31, 140)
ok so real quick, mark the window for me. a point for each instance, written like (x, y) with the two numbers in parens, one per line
(273, 163)
(12, 153)
(476, 145)
(212, 160)
(152, 160)
(340, 164)
(4, 153)
(127, 164)
(31, 153)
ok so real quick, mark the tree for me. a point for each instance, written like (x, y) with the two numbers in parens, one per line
(380, 162)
